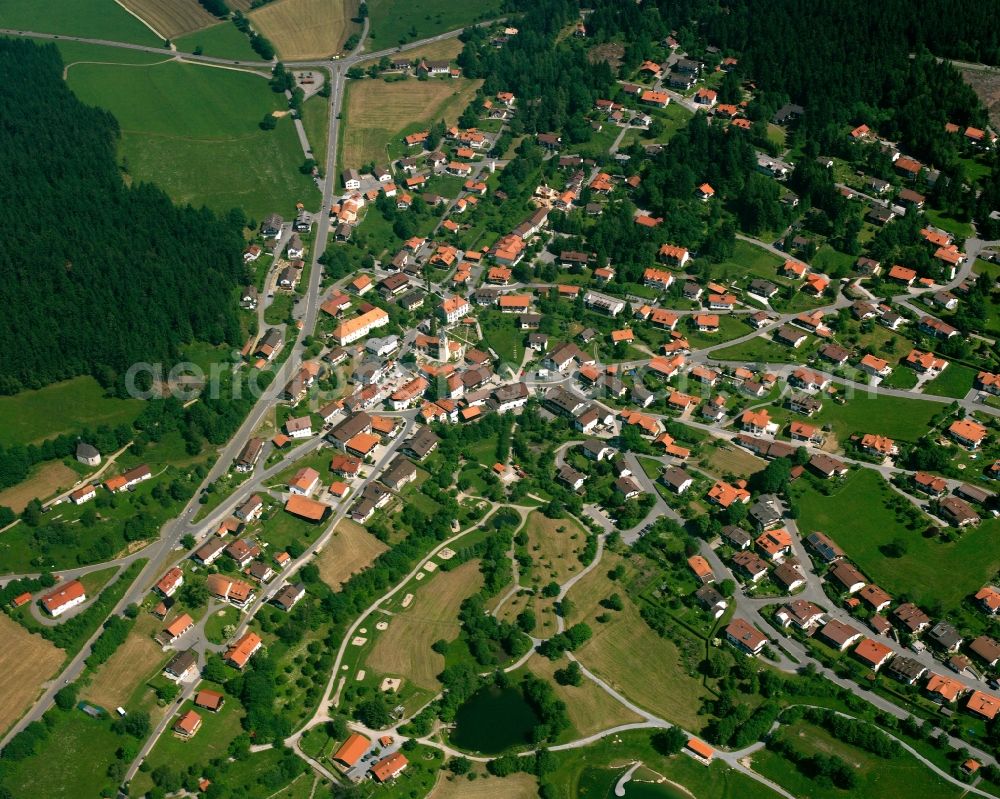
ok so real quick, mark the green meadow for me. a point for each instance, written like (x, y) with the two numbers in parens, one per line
(194, 131)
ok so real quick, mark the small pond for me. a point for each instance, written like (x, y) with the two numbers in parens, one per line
(492, 720)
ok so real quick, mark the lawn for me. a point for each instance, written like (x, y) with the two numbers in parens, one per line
(930, 572)
(223, 40)
(674, 117)
(748, 260)
(171, 19)
(399, 21)
(30, 417)
(377, 114)
(618, 646)
(761, 349)
(303, 29)
(350, 549)
(194, 131)
(94, 19)
(404, 650)
(502, 334)
(218, 621)
(26, 661)
(211, 741)
(954, 226)
(877, 777)
(896, 417)
(955, 381)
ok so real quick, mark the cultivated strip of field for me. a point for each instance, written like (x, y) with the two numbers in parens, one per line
(132, 663)
(351, 549)
(47, 480)
(377, 112)
(26, 662)
(302, 29)
(404, 650)
(171, 19)
(513, 786)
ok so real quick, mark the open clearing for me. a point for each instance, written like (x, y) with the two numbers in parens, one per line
(93, 19)
(591, 709)
(405, 648)
(171, 19)
(194, 132)
(26, 661)
(624, 649)
(375, 112)
(398, 21)
(514, 786)
(132, 663)
(44, 482)
(351, 549)
(30, 417)
(930, 571)
(302, 29)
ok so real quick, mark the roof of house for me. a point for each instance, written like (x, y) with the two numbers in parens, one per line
(351, 751)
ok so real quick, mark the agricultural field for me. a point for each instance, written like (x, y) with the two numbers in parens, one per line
(302, 29)
(194, 131)
(222, 40)
(350, 550)
(625, 640)
(171, 19)
(27, 661)
(405, 648)
(93, 19)
(377, 113)
(728, 459)
(116, 681)
(399, 21)
(931, 571)
(30, 417)
(44, 481)
(446, 49)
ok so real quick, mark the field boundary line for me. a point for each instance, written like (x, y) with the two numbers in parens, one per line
(130, 11)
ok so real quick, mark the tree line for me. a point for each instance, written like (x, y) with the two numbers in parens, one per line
(98, 276)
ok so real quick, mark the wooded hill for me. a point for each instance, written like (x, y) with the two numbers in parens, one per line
(96, 275)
